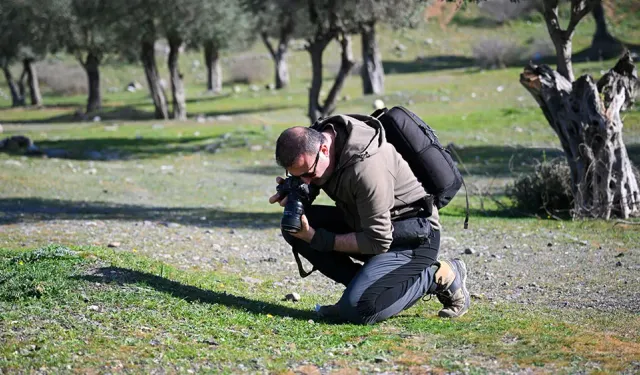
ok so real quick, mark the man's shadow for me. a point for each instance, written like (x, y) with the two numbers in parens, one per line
(194, 294)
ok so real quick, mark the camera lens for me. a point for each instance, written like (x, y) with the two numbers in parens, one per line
(293, 211)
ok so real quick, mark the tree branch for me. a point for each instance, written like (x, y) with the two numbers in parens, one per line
(265, 39)
(579, 9)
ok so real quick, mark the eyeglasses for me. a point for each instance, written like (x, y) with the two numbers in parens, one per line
(312, 170)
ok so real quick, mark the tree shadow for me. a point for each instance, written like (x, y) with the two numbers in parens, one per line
(111, 148)
(427, 64)
(191, 293)
(22, 210)
(132, 113)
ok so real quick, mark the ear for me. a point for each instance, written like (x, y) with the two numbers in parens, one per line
(325, 150)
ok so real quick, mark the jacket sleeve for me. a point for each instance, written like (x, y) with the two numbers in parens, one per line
(374, 197)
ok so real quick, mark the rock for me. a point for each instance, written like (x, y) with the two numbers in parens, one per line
(256, 148)
(469, 251)
(380, 360)
(378, 104)
(618, 264)
(157, 126)
(270, 86)
(254, 88)
(114, 244)
(211, 342)
(251, 280)
(500, 88)
(237, 89)
(549, 244)
(94, 308)
(477, 296)
(620, 255)
(224, 118)
(295, 297)
(208, 231)
(97, 119)
(201, 119)
(171, 225)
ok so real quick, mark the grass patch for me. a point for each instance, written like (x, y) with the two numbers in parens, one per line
(116, 311)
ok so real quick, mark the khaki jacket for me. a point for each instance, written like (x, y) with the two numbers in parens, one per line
(371, 184)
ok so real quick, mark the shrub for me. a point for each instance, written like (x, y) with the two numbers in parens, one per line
(546, 190)
(497, 53)
(62, 78)
(249, 69)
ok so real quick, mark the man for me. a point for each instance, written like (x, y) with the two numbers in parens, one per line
(383, 217)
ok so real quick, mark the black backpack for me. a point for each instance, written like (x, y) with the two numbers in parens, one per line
(419, 146)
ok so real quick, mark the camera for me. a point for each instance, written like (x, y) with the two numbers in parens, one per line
(298, 194)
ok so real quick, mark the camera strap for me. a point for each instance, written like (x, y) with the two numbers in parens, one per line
(301, 270)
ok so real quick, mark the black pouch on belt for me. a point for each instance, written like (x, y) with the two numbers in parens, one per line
(411, 232)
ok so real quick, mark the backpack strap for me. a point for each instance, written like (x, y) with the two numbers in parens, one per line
(301, 270)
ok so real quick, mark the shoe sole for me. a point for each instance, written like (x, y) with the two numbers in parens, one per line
(467, 296)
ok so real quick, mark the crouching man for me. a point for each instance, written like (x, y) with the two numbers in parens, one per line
(382, 217)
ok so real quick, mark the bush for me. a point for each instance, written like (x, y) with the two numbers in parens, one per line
(62, 78)
(546, 190)
(249, 69)
(497, 53)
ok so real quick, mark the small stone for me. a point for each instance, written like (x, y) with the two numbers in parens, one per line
(114, 244)
(295, 297)
(477, 296)
(620, 255)
(94, 308)
(208, 231)
(500, 88)
(211, 342)
(469, 251)
(380, 360)
(549, 244)
(618, 264)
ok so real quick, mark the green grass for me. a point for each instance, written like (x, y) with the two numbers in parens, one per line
(87, 308)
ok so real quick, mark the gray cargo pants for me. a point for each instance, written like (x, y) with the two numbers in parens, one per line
(385, 284)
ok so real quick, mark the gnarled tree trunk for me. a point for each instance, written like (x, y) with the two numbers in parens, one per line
(17, 100)
(32, 79)
(214, 70)
(372, 71)
(92, 67)
(316, 49)
(590, 131)
(177, 85)
(148, 57)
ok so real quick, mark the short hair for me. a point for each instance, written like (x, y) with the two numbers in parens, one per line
(297, 141)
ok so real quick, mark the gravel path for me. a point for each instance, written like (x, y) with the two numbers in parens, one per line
(540, 267)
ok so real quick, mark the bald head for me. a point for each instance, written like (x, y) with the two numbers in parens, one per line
(297, 141)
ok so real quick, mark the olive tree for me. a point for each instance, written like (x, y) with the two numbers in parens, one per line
(282, 20)
(225, 24)
(585, 115)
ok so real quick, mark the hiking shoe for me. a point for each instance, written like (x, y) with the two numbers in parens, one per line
(451, 280)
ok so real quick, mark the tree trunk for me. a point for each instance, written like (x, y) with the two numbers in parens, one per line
(214, 70)
(372, 71)
(603, 44)
(92, 67)
(156, 90)
(32, 78)
(590, 131)
(316, 49)
(177, 85)
(346, 64)
(17, 100)
(280, 53)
